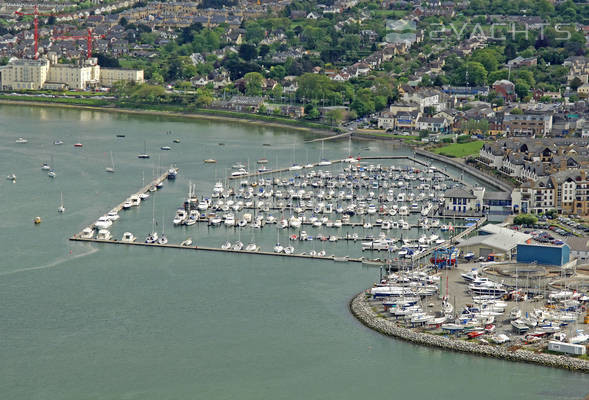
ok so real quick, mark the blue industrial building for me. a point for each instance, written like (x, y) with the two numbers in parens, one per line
(542, 254)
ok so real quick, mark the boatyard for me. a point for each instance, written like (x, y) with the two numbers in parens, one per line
(465, 309)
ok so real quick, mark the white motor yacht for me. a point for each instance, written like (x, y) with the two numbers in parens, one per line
(180, 216)
(103, 234)
(113, 215)
(103, 222)
(128, 237)
(87, 233)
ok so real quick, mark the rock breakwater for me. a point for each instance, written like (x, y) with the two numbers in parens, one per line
(362, 310)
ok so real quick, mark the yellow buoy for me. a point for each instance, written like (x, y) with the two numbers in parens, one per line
(37, 220)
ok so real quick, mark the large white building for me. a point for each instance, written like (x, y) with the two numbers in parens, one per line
(24, 74)
(48, 74)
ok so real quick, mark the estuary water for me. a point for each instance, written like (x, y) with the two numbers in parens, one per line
(89, 321)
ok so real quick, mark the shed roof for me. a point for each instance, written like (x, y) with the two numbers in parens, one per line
(503, 240)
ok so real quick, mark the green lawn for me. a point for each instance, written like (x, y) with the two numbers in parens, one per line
(460, 149)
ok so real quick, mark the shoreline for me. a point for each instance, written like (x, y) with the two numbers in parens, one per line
(173, 114)
(364, 313)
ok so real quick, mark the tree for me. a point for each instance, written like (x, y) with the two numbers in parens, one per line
(123, 22)
(277, 91)
(156, 77)
(204, 97)
(277, 72)
(335, 116)
(525, 219)
(575, 83)
(248, 52)
(253, 83)
(106, 61)
(311, 112)
(488, 58)
(264, 50)
(522, 89)
(254, 32)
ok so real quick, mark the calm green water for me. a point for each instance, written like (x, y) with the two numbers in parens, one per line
(81, 321)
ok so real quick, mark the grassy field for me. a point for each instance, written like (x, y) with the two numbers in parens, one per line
(460, 149)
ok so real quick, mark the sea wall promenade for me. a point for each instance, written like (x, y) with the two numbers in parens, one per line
(362, 310)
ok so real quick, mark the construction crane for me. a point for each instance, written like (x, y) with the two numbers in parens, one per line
(87, 37)
(36, 15)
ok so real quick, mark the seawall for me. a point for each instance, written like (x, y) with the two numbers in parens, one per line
(362, 310)
(466, 168)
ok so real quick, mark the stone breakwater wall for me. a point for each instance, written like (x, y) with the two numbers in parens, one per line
(362, 310)
(467, 169)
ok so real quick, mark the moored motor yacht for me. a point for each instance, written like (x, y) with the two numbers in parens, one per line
(87, 233)
(103, 234)
(128, 237)
(103, 222)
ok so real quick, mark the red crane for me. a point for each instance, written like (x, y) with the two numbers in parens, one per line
(36, 14)
(88, 38)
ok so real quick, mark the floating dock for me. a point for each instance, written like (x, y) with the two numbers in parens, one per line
(340, 161)
(143, 190)
(219, 250)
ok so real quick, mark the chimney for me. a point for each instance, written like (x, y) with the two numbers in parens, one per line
(563, 164)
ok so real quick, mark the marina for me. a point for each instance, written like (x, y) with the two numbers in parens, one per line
(354, 196)
(83, 318)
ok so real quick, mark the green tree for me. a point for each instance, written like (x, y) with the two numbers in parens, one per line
(311, 112)
(277, 91)
(204, 97)
(335, 116)
(254, 32)
(575, 83)
(277, 72)
(157, 78)
(253, 83)
(248, 52)
(525, 219)
(522, 89)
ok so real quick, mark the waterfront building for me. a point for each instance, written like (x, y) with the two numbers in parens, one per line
(47, 73)
(543, 254)
(108, 76)
(464, 201)
(494, 240)
(24, 74)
